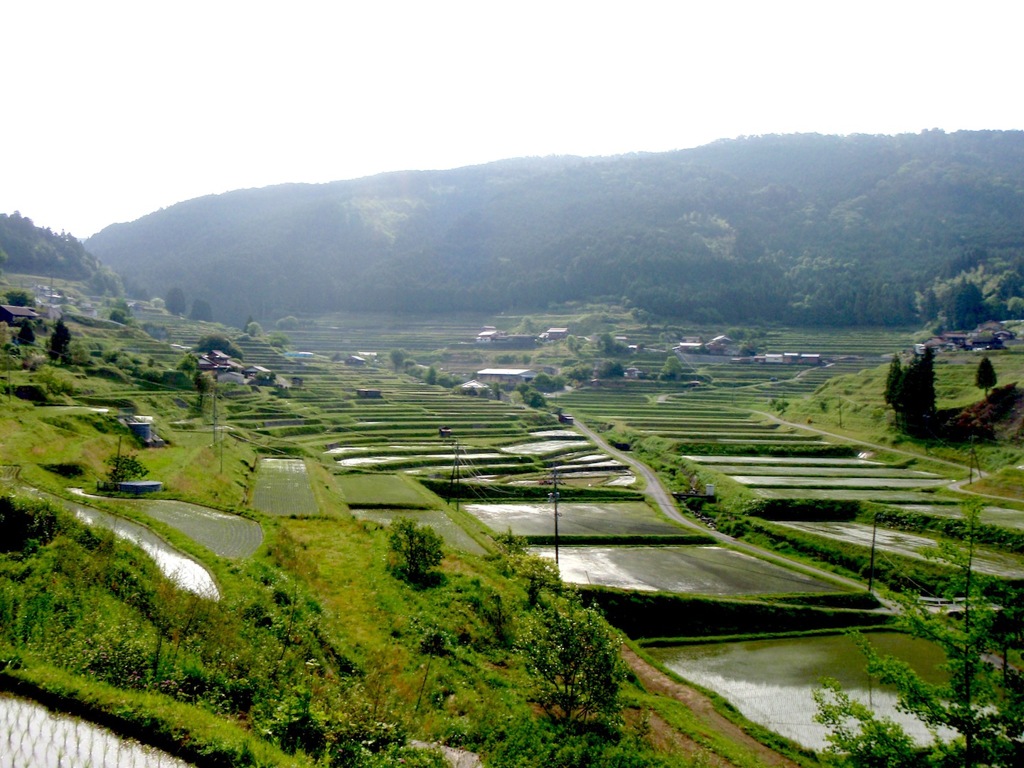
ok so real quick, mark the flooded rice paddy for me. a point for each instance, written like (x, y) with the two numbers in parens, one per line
(182, 570)
(869, 472)
(782, 460)
(679, 569)
(32, 736)
(839, 482)
(913, 545)
(791, 477)
(846, 494)
(771, 681)
(175, 565)
(630, 518)
(542, 447)
(226, 535)
(1006, 518)
(446, 458)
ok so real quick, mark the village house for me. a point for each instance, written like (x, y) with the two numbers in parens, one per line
(719, 345)
(16, 315)
(690, 346)
(554, 334)
(488, 335)
(257, 372)
(511, 376)
(988, 335)
(997, 331)
(474, 387)
(230, 377)
(784, 358)
(216, 361)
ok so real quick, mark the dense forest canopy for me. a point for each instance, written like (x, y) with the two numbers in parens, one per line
(39, 251)
(800, 229)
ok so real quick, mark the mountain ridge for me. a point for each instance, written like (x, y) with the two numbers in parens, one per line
(805, 229)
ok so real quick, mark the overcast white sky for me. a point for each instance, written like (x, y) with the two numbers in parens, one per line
(113, 110)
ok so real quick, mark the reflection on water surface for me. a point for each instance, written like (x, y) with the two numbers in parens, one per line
(33, 737)
(771, 681)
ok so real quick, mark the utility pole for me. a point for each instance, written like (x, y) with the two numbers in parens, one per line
(874, 532)
(215, 414)
(454, 481)
(553, 497)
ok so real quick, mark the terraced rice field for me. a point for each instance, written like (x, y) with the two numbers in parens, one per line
(809, 461)
(823, 478)
(621, 519)
(914, 545)
(884, 483)
(474, 455)
(453, 535)
(174, 564)
(179, 568)
(772, 681)
(383, 490)
(999, 516)
(680, 569)
(226, 535)
(282, 489)
(32, 735)
(876, 495)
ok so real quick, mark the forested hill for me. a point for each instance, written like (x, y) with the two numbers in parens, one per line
(28, 249)
(799, 229)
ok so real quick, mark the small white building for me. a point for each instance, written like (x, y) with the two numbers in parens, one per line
(555, 334)
(489, 334)
(506, 375)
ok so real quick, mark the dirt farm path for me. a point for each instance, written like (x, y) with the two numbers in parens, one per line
(655, 681)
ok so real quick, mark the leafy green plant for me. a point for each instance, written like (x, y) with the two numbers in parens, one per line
(981, 704)
(124, 467)
(573, 656)
(416, 551)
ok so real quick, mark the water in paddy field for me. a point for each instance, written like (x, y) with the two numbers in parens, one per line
(699, 570)
(31, 736)
(771, 681)
(182, 570)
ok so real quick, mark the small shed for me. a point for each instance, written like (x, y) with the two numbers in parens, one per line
(13, 315)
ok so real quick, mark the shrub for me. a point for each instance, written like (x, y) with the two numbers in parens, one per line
(416, 551)
(573, 656)
(25, 521)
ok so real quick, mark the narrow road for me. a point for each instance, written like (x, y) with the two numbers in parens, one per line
(667, 504)
(652, 485)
